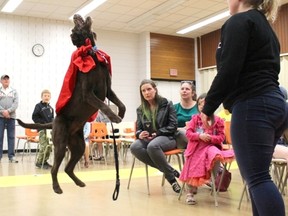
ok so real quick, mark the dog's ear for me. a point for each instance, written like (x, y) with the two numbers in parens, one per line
(88, 28)
(77, 36)
(78, 21)
(88, 23)
(82, 30)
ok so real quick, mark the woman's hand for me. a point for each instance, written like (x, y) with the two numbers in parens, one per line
(145, 134)
(153, 135)
(205, 137)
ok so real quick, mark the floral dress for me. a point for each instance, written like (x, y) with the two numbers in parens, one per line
(201, 156)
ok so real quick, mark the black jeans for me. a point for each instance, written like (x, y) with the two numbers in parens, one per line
(256, 126)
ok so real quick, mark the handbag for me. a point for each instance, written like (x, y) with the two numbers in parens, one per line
(225, 181)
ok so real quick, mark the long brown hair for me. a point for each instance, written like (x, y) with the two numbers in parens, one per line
(147, 113)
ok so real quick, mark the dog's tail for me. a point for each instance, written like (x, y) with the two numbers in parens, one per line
(35, 125)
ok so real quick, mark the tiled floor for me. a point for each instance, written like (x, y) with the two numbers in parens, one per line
(26, 190)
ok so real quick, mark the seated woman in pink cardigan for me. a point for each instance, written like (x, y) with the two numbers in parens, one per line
(204, 151)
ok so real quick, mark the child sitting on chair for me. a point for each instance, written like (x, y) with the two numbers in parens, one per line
(204, 151)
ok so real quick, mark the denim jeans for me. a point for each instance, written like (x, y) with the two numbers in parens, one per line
(256, 125)
(9, 124)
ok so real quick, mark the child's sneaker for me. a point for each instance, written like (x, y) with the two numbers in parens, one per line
(190, 199)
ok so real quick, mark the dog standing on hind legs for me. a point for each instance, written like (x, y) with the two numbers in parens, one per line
(89, 72)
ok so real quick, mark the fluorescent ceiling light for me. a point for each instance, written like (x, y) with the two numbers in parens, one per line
(89, 7)
(204, 23)
(11, 5)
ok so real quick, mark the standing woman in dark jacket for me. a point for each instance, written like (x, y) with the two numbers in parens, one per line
(156, 127)
(248, 64)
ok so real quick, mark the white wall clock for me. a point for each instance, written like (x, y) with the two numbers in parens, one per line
(38, 50)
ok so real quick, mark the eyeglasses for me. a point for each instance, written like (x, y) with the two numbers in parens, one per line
(188, 81)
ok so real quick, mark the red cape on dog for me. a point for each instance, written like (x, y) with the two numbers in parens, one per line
(83, 62)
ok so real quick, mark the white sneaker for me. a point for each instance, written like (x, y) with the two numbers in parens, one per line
(190, 199)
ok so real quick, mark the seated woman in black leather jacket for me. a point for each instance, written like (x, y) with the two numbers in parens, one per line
(156, 127)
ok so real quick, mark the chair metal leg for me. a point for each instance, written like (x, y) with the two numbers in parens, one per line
(285, 181)
(105, 150)
(244, 191)
(132, 167)
(17, 146)
(147, 176)
(147, 179)
(279, 175)
(24, 148)
(214, 191)
(181, 191)
(280, 169)
(222, 175)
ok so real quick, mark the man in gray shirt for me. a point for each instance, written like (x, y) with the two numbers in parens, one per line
(8, 106)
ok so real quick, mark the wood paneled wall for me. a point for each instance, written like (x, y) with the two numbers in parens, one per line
(171, 52)
(208, 43)
(280, 26)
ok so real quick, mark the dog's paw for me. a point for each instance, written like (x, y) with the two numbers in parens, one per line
(81, 184)
(57, 190)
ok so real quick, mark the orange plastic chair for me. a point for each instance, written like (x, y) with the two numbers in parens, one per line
(31, 136)
(98, 138)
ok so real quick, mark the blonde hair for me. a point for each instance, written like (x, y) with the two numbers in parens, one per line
(45, 91)
(268, 7)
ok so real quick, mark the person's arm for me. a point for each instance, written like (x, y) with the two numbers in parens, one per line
(14, 105)
(233, 50)
(191, 132)
(139, 125)
(36, 116)
(219, 137)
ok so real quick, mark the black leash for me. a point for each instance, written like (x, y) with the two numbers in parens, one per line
(117, 185)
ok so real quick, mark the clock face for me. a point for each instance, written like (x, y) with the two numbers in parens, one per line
(38, 50)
